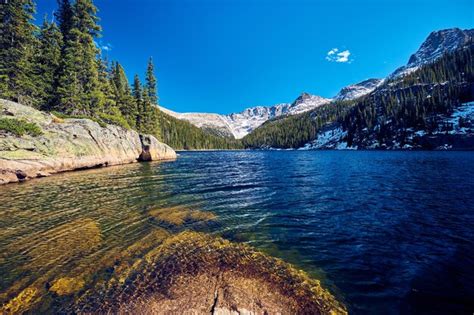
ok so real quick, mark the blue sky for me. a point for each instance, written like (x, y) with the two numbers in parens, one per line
(225, 55)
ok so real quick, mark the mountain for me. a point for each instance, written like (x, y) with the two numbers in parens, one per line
(238, 125)
(250, 120)
(437, 44)
(358, 90)
(213, 123)
(429, 107)
(246, 121)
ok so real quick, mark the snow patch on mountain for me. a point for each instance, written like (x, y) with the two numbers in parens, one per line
(331, 137)
(360, 89)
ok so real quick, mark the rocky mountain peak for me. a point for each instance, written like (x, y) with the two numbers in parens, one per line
(435, 45)
(357, 90)
(440, 42)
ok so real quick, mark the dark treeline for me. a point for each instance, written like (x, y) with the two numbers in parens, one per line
(58, 67)
(181, 134)
(413, 101)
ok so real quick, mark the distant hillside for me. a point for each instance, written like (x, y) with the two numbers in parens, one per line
(182, 135)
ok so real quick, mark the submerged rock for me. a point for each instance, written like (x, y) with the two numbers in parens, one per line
(69, 144)
(180, 215)
(195, 273)
(67, 286)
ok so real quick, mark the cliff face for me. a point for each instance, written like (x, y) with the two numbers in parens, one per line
(69, 144)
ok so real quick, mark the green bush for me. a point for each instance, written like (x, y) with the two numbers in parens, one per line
(20, 127)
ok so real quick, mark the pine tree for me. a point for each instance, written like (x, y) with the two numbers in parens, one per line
(78, 85)
(147, 120)
(47, 63)
(106, 85)
(123, 95)
(147, 114)
(138, 97)
(64, 17)
(151, 83)
(17, 43)
(137, 89)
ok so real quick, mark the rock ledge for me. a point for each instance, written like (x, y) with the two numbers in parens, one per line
(69, 144)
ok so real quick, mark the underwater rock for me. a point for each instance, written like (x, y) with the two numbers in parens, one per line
(195, 273)
(22, 302)
(179, 215)
(67, 286)
(60, 244)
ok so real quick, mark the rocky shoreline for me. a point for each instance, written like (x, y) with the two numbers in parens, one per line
(69, 144)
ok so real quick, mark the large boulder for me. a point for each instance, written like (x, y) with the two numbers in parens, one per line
(154, 150)
(69, 144)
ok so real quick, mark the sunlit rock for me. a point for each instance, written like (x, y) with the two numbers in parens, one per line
(196, 273)
(69, 144)
(67, 286)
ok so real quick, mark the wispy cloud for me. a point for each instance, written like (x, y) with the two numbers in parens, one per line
(334, 55)
(103, 46)
(106, 47)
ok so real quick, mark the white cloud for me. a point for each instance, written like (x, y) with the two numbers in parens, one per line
(343, 56)
(106, 47)
(335, 56)
(333, 51)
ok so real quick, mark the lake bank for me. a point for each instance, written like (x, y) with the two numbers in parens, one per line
(60, 145)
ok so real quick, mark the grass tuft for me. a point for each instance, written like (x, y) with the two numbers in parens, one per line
(20, 127)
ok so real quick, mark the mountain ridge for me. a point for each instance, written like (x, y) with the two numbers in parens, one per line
(238, 125)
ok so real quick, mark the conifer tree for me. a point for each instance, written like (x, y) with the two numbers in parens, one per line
(17, 44)
(123, 95)
(138, 97)
(78, 84)
(151, 83)
(64, 17)
(149, 122)
(106, 85)
(47, 63)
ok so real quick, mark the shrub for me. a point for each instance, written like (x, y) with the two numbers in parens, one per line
(20, 127)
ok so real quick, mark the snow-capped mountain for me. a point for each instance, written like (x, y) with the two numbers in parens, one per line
(357, 90)
(244, 122)
(306, 102)
(435, 46)
(240, 124)
(215, 122)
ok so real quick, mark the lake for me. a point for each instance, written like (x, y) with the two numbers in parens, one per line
(386, 232)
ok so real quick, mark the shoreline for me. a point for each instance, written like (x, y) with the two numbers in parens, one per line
(63, 145)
